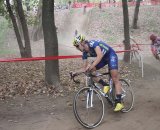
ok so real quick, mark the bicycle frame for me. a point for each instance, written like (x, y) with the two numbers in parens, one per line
(90, 82)
(89, 99)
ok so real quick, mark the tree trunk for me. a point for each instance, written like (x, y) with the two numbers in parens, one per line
(50, 42)
(135, 19)
(25, 28)
(126, 31)
(27, 4)
(37, 32)
(19, 26)
(19, 40)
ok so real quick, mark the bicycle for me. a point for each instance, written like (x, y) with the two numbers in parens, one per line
(89, 97)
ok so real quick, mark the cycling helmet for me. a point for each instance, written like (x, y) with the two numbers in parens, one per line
(78, 39)
(153, 37)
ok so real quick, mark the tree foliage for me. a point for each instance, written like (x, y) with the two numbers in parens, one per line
(2, 9)
(25, 49)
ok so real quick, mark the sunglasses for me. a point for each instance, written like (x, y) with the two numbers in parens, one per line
(76, 45)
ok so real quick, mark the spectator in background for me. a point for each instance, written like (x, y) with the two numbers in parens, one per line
(155, 45)
(69, 4)
(84, 9)
(100, 5)
(114, 3)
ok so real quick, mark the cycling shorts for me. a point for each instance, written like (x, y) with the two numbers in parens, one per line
(111, 59)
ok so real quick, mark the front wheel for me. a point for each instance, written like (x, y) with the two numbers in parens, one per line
(127, 96)
(88, 107)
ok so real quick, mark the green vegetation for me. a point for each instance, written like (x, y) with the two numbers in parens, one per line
(3, 52)
(4, 30)
(3, 35)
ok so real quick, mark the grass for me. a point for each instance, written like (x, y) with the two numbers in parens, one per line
(3, 35)
(2, 52)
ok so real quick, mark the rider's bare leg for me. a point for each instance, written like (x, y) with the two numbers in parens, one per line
(97, 79)
(115, 78)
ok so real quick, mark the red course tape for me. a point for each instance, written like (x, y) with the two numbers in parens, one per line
(39, 58)
(48, 58)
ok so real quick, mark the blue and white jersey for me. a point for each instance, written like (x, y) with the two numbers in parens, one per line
(106, 49)
(109, 55)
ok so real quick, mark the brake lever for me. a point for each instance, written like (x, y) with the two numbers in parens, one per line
(71, 75)
(72, 78)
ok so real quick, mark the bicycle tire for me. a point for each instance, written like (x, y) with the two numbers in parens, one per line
(126, 92)
(77, 108)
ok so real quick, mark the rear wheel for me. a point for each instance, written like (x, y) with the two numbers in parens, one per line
(88, 107)
(127, 96)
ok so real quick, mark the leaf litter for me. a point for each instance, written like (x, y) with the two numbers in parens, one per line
(28, 78)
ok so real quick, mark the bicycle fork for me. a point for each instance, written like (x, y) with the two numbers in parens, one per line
(89, 102)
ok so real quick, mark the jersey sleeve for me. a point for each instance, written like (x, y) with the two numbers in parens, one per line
(93, 44)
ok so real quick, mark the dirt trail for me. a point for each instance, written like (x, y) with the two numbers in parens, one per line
(75, 21)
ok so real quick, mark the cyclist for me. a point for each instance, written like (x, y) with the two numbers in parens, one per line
(104, 55)
(155, 45)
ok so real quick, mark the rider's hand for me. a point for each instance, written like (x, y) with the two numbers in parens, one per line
(88, 68)
(74, 73)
